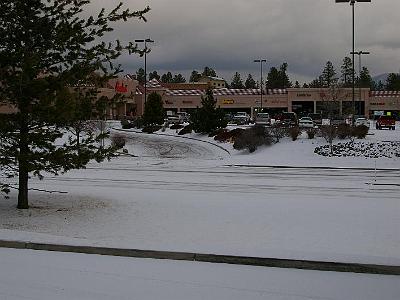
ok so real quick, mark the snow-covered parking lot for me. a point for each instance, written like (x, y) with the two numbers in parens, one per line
(187, 195)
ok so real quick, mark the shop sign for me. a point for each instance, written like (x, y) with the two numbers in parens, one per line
(377, 103)
(228, 101)
(303, 95)
(168, 102)
(187, 102)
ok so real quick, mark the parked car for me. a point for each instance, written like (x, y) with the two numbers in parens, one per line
(362, 121)
(287, 118)
(262, 119)
(241, 118)
(317, 118)
(306, 122)
(386, 121)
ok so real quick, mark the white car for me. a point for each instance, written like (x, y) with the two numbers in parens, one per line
(362, 121)
(306, 122)
(241, 118)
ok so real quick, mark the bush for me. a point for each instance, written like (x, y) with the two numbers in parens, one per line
(343, 131)
(118, 141)
(176, 126)
(278, 131)
(187, 129)
(294, 132)
(125, 124)
(223, 136)
(151, 128)
(311, 132)
(360, 131)
(252, 138)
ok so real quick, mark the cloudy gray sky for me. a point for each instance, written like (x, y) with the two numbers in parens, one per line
(229, 35)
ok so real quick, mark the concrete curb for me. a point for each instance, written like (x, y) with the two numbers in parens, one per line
(211, 258)
(313, 167)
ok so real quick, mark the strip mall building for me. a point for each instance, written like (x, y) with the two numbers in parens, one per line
(187, 97)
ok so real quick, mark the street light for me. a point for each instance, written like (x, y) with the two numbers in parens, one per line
(359, 53)
(145, 64)
(261, 61)
(352, 2)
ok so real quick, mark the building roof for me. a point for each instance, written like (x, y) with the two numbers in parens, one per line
(384, 93)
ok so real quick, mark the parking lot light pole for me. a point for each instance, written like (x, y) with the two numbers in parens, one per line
(261, 61)
(145, 64)
(352, 3)
(359, 53)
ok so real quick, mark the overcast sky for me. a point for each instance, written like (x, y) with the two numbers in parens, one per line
(229, 35)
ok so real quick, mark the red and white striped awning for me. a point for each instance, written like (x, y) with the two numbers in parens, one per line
(384, 93)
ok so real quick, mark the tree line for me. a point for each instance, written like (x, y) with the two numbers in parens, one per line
(278, 78)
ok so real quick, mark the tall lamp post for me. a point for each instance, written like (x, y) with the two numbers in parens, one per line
(261, 61)
(359, 53)
(352, 3)
(145, 65)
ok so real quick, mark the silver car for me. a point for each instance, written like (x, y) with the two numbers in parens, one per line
(263, 119)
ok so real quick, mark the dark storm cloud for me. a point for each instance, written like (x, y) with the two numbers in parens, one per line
(228, 35)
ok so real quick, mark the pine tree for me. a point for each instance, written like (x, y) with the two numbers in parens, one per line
(346, 72)
(365, 79)
(178, 78)
(47, 48)
(393, 82)
(195, 76)
(328, 75)
(167, 78)
(208, 118)
(297, 84)
(283, 77)
(273, 79)
(154, 75)
(237, 82)
(140, 76)
(250, 83)
(209, 72)
(154, 110)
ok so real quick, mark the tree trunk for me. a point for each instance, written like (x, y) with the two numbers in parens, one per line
(23, 189)
(23, 167)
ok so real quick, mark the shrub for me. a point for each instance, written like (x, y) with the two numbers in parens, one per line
(151, 128)
(311, 132)
(343, 131)
(118, 141)
(223, 136)
(278, 131)
(294, 132)
(360, 131)
(125, 124)
(187, 129)
(176, 126)
(252, 138)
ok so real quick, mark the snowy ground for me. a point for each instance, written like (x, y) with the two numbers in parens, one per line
(37, 275)
(183, 194)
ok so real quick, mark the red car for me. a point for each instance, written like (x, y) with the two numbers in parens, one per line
(386, 121)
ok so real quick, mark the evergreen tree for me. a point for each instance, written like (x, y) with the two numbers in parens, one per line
(346, 72)
(273, 79)
(178, 78)
(208, 118)
(154, 75)
(46, 47)
(154, 111)
(250, 83)
(316, 83)
(140, 76)
(297, 84)
(393, 82)
(283, 77)
(209, 72)
(237, 82)
(328, 75)
(195, 76)
(379, 86)
(365, 79)
(167, 78)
